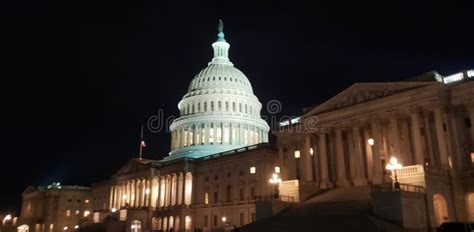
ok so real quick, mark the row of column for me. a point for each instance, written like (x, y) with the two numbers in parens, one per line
(162, 191)
(217, 106)
(217, 133)
(132, 193)
(344, 155)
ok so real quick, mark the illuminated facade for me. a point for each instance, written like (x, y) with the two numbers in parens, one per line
(218, 167)
(54, 208)
(425, 122)
(219, 112)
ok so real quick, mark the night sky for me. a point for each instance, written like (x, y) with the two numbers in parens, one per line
(79, 77)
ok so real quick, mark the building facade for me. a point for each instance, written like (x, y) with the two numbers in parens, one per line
(54, 208)
(425, 123)
(218, 166)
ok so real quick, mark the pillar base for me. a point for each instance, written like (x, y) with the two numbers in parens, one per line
(342, 182)
(325, 184)
(360, 181)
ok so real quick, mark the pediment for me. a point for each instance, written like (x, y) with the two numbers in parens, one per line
(29, 189)
(359, 93)
(135, 165)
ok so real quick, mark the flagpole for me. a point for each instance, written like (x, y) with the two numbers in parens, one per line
(140, 154)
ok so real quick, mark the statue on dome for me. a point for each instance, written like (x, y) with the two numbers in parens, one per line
(220, 27)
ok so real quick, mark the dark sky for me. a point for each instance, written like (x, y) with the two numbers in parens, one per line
(79, 77)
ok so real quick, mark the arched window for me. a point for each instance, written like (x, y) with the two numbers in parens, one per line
(136, 226)
(199, 107)
(229, 193)
(205, 106)
(188, 186)
(226, 106)
(440, 209)
(171, 222)
(240, 107)
(219, 105)
(470, 206)
(233, 106)
(187, 225)
(165, 224)
(212, 106)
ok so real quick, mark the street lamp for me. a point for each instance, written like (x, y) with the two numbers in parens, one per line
(371, 141)
(394, 166)
(7, 218)
(275, 180)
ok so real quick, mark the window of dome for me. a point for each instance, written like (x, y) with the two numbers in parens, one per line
(219, 78)
(213, 78)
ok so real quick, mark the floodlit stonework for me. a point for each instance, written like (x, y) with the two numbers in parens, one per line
(54, 208)
(331, 159)
(426, 123)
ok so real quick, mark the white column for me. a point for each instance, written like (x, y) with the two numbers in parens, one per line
(341, 170)
(291, 163)
(180, 188)
(111, 199)
(376, 148)
(133, 195)
(173, 189)
(360, 178)
(162, 191)
(368, 152)
(394, 138)
(323, 162)
(307, 164)
(417, 140)
(428, 138)
(154, 192)
(441, 139)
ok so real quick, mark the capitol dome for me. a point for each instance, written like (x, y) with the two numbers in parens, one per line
(219, 112)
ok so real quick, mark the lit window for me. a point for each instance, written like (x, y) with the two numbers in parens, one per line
(206, 198)
(191, 137)
(86, 201)
(78, 212)
(253, 170)
(219, 134)
(472, 158)
(277, 169)
(226, 134)
(211, 134)
(311, 151)
(297, 154)
(86, 213)
(185, 139)
(68, 213)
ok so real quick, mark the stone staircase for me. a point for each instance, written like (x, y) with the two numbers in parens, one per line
(341, 209)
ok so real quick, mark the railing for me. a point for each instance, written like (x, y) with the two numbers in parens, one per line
(403, 188)
(282, 198)
(412, 188)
